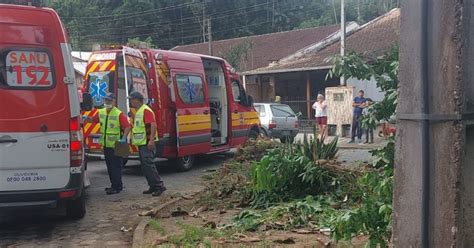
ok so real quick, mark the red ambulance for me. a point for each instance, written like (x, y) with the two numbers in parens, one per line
(41, 151)
(199, 102)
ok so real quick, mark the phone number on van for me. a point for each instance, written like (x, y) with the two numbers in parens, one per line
(26, 177)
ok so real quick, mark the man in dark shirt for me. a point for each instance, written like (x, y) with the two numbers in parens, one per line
(358, 104)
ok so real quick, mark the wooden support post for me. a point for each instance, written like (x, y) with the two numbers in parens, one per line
(308, 96)
(271, 88)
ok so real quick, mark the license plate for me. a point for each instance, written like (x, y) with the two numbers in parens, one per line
(96, 140)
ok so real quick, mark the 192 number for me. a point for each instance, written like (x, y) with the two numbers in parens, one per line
(32, 73)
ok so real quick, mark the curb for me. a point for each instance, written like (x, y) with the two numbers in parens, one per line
(358, 147)
(139, 232)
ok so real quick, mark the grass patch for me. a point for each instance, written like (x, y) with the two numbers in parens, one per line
(155, 225)
(193, 236)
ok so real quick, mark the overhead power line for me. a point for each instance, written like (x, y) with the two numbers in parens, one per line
(105, 29)
(172, 39)
(134, 13)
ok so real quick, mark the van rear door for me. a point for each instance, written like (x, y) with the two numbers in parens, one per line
(34, 112)
(193, 121)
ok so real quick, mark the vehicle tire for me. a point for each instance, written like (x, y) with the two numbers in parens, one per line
(263, 133)
(287, 139)
(253, 134)
(184, 163)
(76, 209)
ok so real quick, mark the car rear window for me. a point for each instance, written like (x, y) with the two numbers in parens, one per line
(282, 111)
(26, 69)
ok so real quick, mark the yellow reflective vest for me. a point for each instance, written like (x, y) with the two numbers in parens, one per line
(109, 127)
(139, 129)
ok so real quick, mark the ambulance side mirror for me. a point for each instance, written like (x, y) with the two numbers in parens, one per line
(86, 104)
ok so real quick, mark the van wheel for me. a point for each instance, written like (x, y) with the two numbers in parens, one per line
(184, 163)
(253, 134)
(76, 209)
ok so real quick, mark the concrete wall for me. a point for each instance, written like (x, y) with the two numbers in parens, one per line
(445, 78)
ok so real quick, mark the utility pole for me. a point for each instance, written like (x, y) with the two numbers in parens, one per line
(209, 35)
(358, 12)
(203, 22)
(343, 39)
(273, 15)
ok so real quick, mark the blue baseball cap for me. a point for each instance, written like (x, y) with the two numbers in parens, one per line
(110, 97)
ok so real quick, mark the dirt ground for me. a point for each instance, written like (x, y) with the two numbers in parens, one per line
(171, 219)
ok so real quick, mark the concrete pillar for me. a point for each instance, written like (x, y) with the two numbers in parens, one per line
(271, 88)
(308, 95)
(260, 88)
(447, 20)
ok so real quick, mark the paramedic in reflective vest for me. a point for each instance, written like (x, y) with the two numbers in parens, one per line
(144, 135)
(113, 123)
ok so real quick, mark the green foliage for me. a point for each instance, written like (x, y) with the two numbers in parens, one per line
(383, 69)
(237, 55)
(290, 172)
(229, 185)
(375, 188)
(309, 212)
(153, 223)
(194, 236)
(178, 22)
(254, 150)
(136, 42)
(316, 149)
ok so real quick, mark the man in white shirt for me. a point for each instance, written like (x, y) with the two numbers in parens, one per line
(321, 115)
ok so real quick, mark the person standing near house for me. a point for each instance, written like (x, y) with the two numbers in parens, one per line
(144, 135)
(358, 104)
(369, 131)
(277, 99)
(320, 107)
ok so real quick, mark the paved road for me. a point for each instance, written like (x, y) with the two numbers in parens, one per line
(106, 214)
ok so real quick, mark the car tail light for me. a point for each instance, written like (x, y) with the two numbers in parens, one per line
(272, 124)
(67, 194)
(75, 142)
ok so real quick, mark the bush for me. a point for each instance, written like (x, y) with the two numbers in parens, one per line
(288, 173)
(373, 216)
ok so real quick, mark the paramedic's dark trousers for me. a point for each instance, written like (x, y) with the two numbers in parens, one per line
(114, 168)
(369, 135)
(356, 127)
(149, 168)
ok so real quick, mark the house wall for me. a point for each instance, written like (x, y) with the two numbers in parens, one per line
(369, 87)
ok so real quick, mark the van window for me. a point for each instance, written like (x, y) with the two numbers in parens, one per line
(236, 92)
(138, 80)
(26, 69)
(282, 111)
(190, 89)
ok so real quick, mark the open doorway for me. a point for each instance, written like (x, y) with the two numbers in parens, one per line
(217, 101)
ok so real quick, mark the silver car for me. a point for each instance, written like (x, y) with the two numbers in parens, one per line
(277, 121)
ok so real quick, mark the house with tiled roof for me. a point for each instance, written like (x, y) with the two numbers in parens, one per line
(262, 50)
(299, 77)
